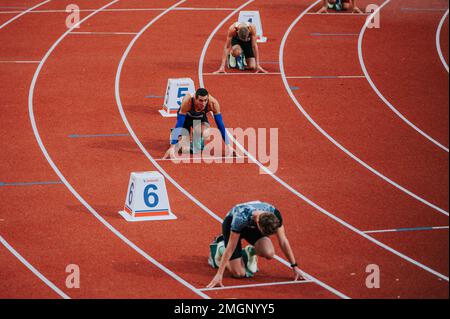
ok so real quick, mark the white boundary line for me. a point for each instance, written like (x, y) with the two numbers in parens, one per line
(401, 230)
(374, 87)
(23, 13)
(125, 10)
(325, 77)
(243, 73)
(20, 62)
(64, 180)
(167, 176)
(290, 188)
(331, 139)
(438, 40)
(33, 269)
(103, 33)
(260, 285)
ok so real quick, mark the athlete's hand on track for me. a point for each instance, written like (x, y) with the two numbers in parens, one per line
(217, 280)
(221, 70)
(323, 10)
(170, 153)
(298, 274)
(260, 69)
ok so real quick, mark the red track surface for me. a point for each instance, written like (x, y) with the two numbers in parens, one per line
(75, 94)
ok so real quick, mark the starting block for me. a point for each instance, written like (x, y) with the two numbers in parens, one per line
(147, 198)
(175, 91)
(253, 17)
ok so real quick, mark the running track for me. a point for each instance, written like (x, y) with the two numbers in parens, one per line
(96, 83)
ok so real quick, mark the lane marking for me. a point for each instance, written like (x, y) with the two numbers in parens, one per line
(201, 82)
(377, 91)
(33, 269)
(23, 13)
(64, 180)
(204, 158)
(2, 184)
(404, 229)
(242, 73)
(331, 139)
(103, 33)
(423, 9)
(155, 163)
(438, 40)
(97, 135)
(125, 10)
(338, 14)
(322, 210)
(21, 62)
(290, 188)
(317, 34)
(327, 77)
(260, 285)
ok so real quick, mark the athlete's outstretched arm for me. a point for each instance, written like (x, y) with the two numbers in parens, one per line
(226, 51)
(181, 117)
(215, 108)
(232, 243)
(287, 250)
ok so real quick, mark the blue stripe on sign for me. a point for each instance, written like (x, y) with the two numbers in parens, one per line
(334, 34)
(29, 183)
(96, 135)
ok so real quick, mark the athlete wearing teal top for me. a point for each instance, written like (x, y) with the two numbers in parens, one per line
(253, 221)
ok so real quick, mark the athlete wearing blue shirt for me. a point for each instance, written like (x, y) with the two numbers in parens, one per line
(255, 222)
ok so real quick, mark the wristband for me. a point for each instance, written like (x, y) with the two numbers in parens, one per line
(294, 265)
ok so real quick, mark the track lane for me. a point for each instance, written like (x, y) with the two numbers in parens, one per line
(240, 186)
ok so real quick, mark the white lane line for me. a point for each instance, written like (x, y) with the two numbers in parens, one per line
(160, 169)
(377, 91)
(21, 62)
(260, 285)
(64, 180)
(327, 77)
(404, 229)
(204, 158)
(103, 33)
(331, 139)
(201, 82)
(351, 227)
(438, 40)
(337, 14)
(242, 73)
(290, 188)
(23, 13)
(124, 10)
(33, 269)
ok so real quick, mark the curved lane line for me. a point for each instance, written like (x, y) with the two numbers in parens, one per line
(438, 41)
(33, 269)
(23, 13)
(69, 186)
(290, 188)
(160, 169)
(374, 87)
(332, 140)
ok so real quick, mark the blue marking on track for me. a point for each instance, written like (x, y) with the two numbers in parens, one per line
(29, 183)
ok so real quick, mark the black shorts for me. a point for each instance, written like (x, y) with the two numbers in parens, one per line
(245, 46)
(251, 235)
(189, 122)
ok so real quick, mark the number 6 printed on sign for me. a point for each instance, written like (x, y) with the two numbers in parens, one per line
(147, 198)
